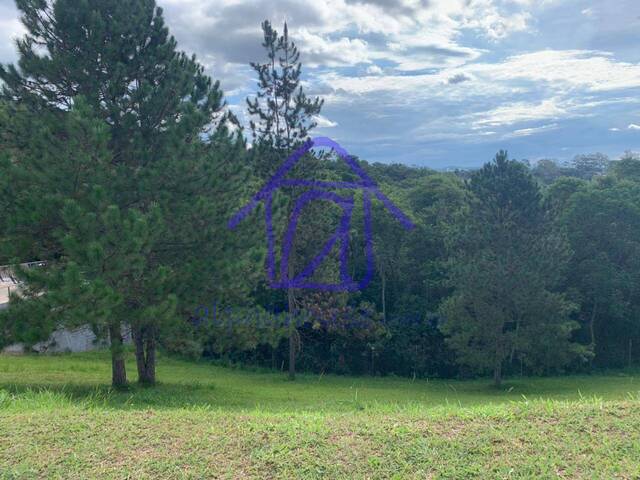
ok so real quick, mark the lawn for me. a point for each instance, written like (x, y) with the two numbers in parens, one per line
(59, 419)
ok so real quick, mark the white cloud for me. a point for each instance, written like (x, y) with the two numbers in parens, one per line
(614, 129)
(519, 112)
(414, 34)
(497, 26)
(594, 71)
(10, 30)
(319, 50)
(525, 132)
(439, 69)
(324, 122)
(633, 126)
(538, 86)
(558, 70)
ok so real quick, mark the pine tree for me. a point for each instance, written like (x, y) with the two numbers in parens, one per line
(506, 270)
(282, 115)
(170, 176)
(61, 212)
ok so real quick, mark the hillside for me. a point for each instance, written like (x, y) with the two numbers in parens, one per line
(59, 419)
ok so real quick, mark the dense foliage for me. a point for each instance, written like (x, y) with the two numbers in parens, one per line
(117, 151)
(120, 168)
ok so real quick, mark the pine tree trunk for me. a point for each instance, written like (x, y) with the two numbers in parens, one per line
(118, 369)
(150, 372)
(291, 307)
(145, 355)
(292, 336)
(138, 341)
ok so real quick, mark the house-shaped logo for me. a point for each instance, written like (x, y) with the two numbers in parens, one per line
(320, 190)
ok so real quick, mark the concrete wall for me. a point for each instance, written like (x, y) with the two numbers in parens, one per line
(64, 340)
(80, 339)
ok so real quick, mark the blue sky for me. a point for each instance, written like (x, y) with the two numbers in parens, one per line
(435, 83)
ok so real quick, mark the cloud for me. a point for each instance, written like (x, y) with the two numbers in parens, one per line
(520, 112)
(633, 126)
(430, 78)
(392, 6)
(319, 50)
(614, 129)
(413, 34)
(525, 132)
(559, 71)
(10, 30)
(324, 122)
(498, 26)
(591, 70)
(502, 101)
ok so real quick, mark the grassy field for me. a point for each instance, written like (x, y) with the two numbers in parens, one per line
(59, 419)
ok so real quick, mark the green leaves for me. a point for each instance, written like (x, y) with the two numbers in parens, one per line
(506, 267)
(120, 170)
(602, 221)
(282, 114)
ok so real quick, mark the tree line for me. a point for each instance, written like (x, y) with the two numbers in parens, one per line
(120, 165)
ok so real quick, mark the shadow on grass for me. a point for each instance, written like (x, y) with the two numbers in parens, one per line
(133, 397)
(80, 380)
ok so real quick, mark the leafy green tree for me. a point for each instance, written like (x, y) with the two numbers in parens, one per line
(558, 194)
(547, 171)
(506, 270)
(628, 167)
(438, 203)
(168, 167)
(408, 285)
(602, 221)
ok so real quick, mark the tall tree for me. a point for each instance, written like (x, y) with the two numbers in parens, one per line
(602, 220)
(157, 106)
(282, 116)
(60, 211)
(506, 269)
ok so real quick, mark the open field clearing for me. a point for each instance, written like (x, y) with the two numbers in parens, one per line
(59, 419)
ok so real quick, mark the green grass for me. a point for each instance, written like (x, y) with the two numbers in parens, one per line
(59, 419)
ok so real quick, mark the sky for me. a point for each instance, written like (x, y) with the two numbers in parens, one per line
(435, 83)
